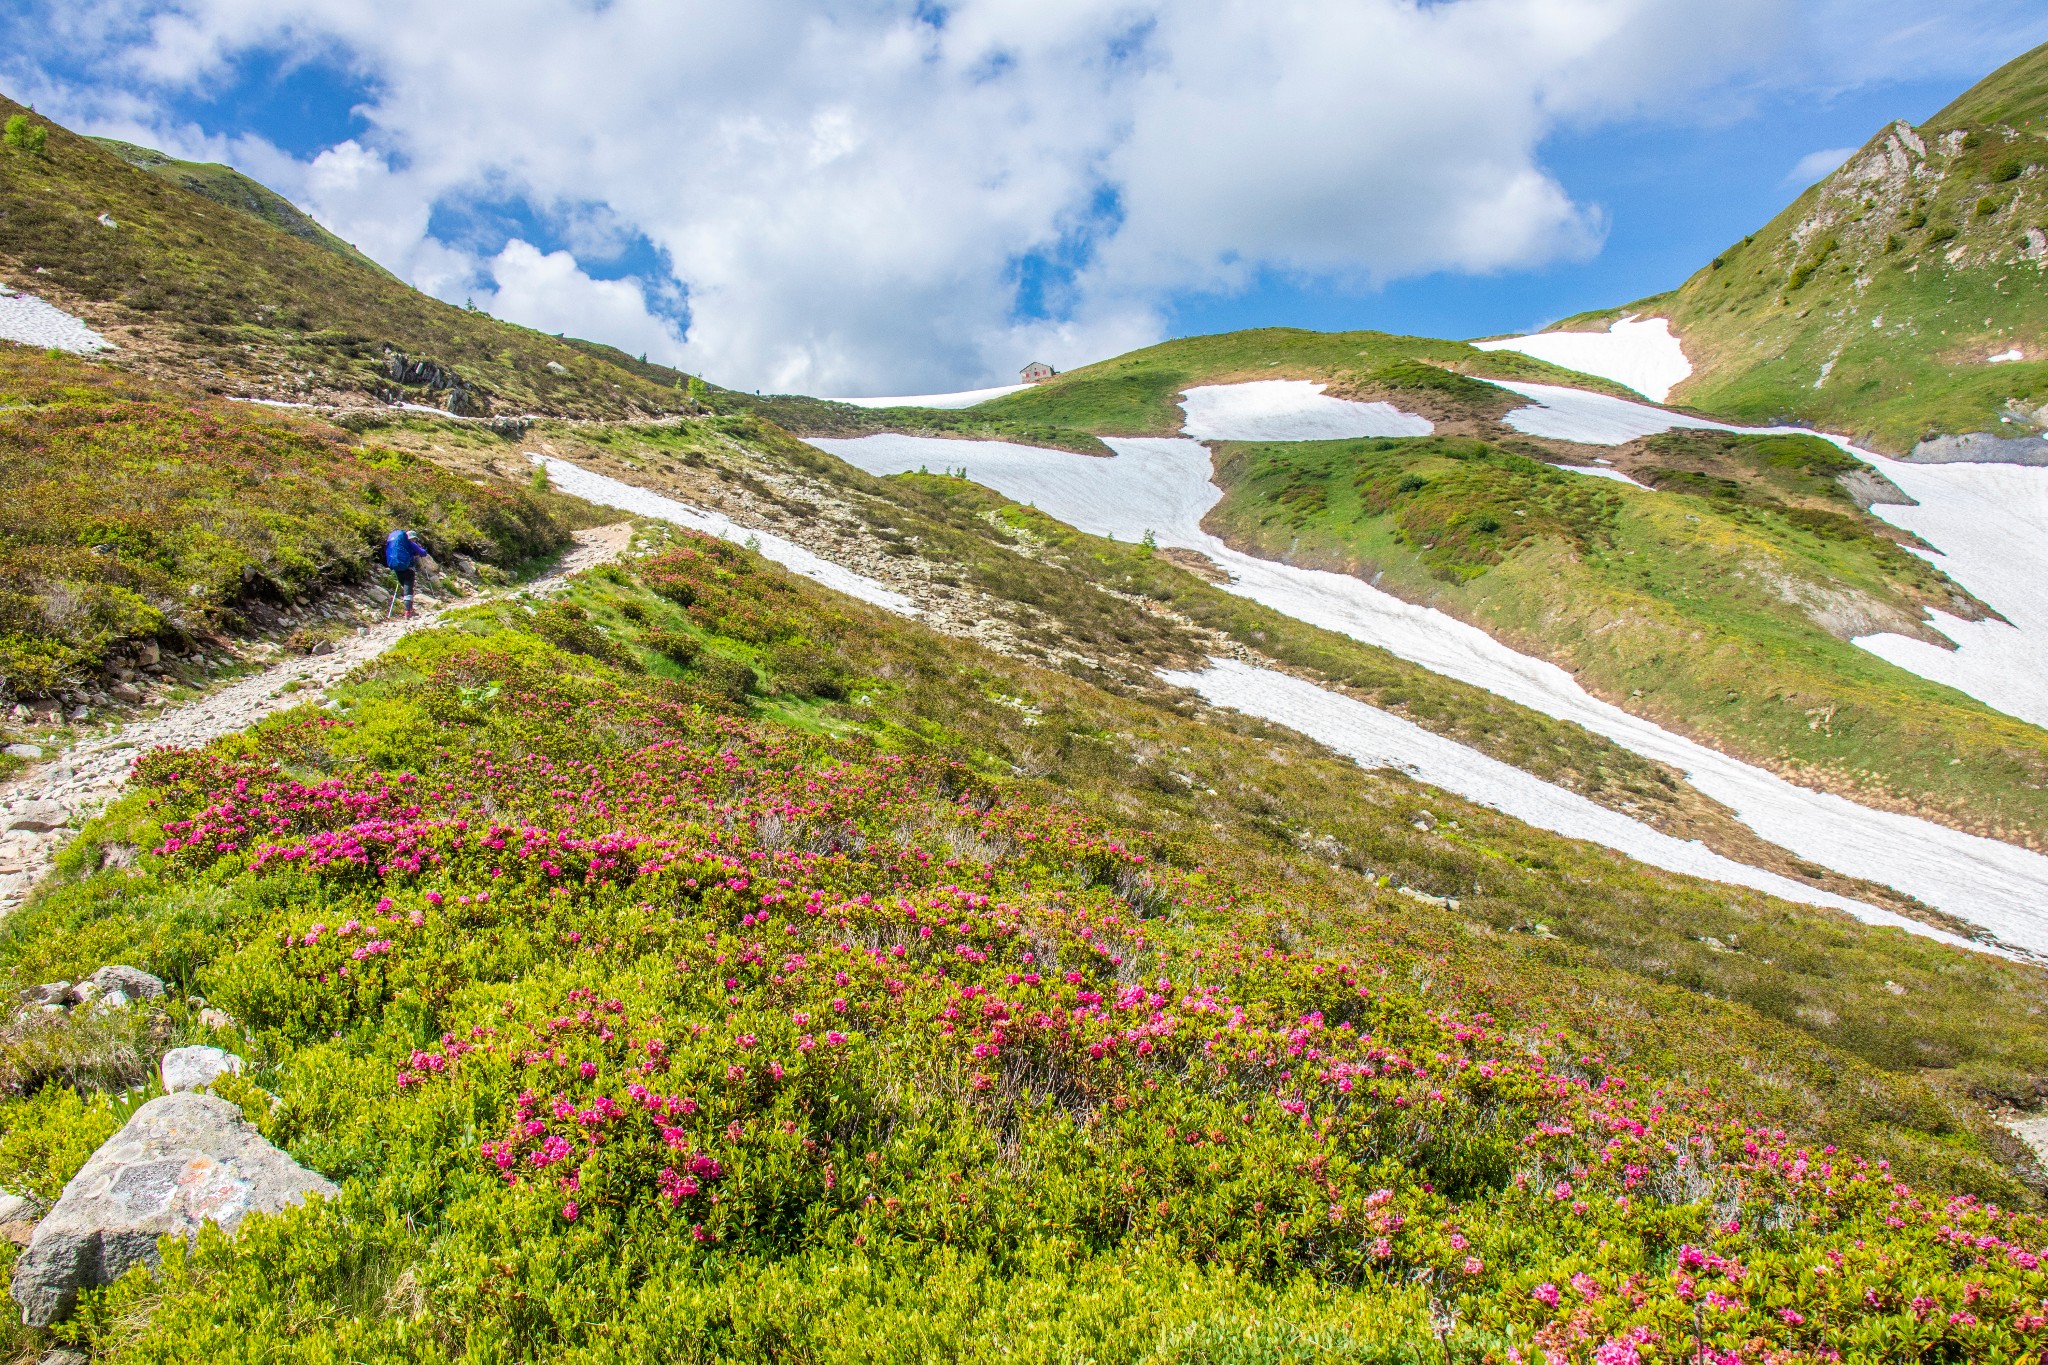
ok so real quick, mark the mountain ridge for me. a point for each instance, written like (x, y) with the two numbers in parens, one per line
(1875, 302)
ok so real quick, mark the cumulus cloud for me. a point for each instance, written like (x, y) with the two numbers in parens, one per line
(551, 293)
(884, 195)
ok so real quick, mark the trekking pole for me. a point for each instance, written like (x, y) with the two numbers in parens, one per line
(392, 605)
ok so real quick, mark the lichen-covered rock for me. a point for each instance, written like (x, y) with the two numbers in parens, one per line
(195, 1068)
(181, 1161)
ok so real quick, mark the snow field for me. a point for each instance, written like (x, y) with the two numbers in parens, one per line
(1377, 739)
(610, 492)
(1289, 410)
(1595, 419)
(1639, 352)
(965, 399)
(28, 320)
(1162, 485)
(1990, 522)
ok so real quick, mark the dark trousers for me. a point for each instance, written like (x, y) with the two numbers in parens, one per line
(406, 576)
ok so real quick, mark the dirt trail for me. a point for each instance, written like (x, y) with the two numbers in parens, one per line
(42, 807)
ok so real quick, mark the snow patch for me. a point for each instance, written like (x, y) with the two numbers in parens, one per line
(28, 320)
(1162, 485)
(1289, 410)
(965, 399)
(609, 492)
(1990, 522)
(2004, 356)
(1594, 419)
(1600, 472)
(1375, 739)
(1639, 352)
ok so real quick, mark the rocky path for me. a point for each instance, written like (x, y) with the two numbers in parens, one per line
(41, 808)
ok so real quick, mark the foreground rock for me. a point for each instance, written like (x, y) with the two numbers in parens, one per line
(181, 1161)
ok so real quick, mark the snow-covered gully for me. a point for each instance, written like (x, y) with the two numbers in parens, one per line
(606, 491)
(1162, 485)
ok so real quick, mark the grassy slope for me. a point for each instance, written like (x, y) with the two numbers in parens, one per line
(1119, 606)
(192, 289)
(1870, 305)
(229, 187)
(1111, 611)
(1718, 605)
(1036, 1190)
(131, 510)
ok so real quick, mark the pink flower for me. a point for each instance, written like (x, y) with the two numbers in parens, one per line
(1473, 1265)
(569, 1211)
(1792, 1317)
(1545, 1294)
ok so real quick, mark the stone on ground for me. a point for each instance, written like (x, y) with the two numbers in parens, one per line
(18, 1215)
(132, 982)
(195, 1068)
(37, 817)
(181, 1161)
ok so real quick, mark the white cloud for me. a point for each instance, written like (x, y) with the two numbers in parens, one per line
(551, 293)
(845, 192)
(1815, 165)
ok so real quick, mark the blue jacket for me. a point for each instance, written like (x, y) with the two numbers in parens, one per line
(401, 548)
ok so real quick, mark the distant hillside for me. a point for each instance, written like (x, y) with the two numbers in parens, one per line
(1901, 298)
(198, 273)
(1137, 394)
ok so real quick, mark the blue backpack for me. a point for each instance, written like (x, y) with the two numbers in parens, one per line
(398, 550)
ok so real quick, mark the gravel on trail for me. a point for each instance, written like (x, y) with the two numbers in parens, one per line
(42, 807)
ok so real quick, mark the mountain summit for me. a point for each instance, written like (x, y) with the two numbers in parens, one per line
(1899, 300)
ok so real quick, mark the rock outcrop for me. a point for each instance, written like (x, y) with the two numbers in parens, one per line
(181, 1161)
(1981, 447)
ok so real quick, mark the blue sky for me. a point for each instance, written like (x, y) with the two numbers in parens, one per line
(1674, 195)
(851, 196)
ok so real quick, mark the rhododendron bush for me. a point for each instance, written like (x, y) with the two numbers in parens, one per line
(638, 1029)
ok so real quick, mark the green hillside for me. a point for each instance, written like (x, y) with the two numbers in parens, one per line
(706, 984)
(1874, 303)
(218, 282)
(229, 187)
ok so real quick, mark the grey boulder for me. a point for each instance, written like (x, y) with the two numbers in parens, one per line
(181, 1161)
(132, 982)
(195, 1068)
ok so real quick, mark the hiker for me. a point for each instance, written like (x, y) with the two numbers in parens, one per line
(401, 549)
